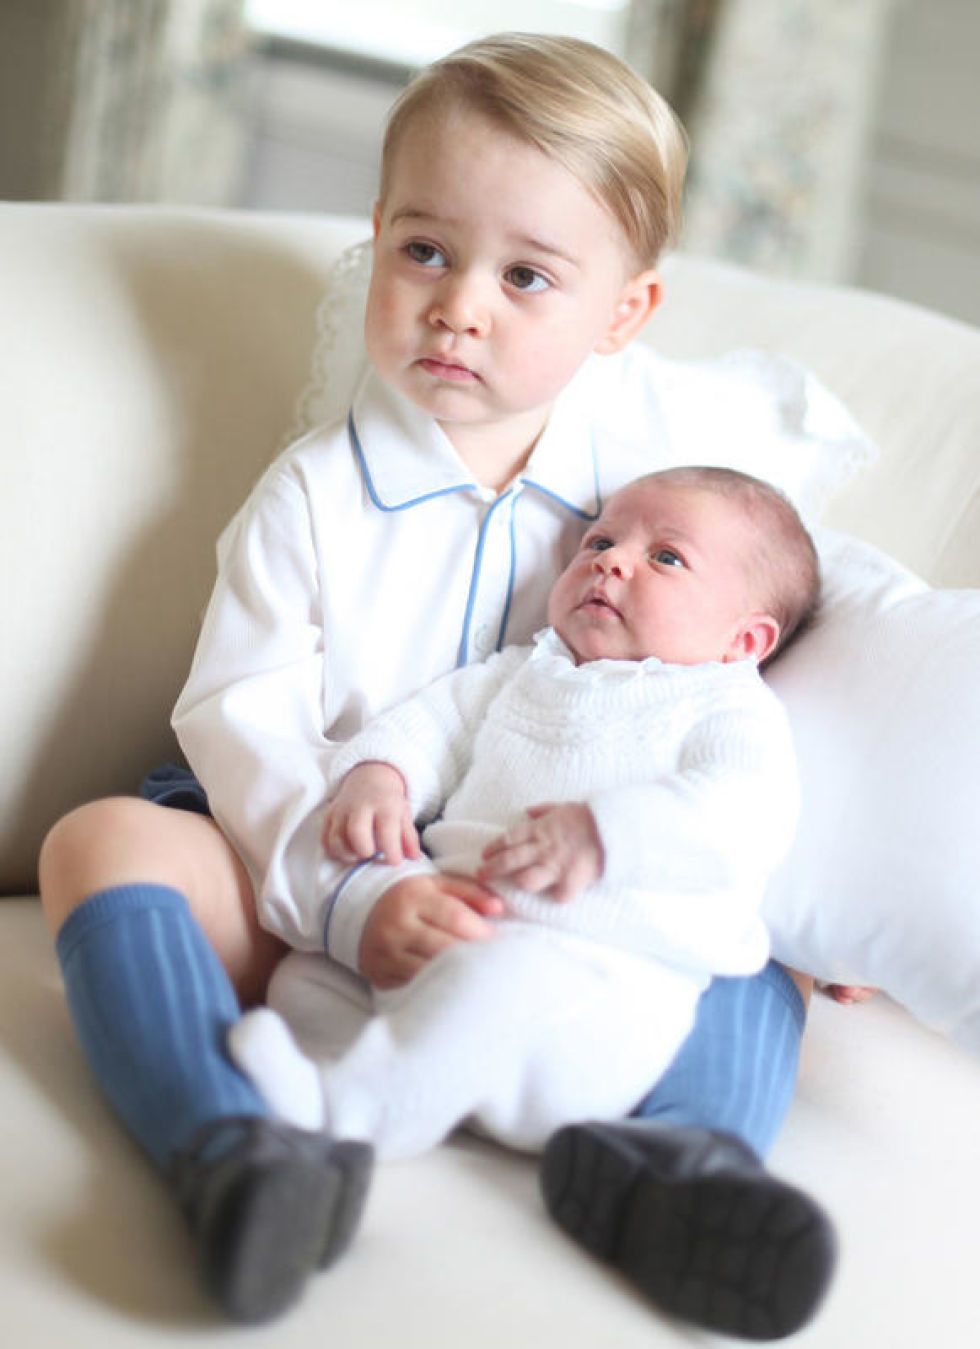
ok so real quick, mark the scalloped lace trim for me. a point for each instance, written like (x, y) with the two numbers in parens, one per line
(339, 358)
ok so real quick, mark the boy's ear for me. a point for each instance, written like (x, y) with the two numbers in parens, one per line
(376, 219)
(639, 298)
(754, 640)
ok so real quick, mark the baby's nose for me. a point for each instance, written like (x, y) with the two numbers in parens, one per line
(611, 561)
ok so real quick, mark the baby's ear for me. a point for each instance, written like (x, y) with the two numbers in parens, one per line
(755, 639)
(637, 301)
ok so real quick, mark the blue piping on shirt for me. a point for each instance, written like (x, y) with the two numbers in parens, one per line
(337, 892)
(462, 652)
(372, 493)
(464, 641)
(502, 630)
(569, 506)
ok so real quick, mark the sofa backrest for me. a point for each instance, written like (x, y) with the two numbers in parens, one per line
(151, 364)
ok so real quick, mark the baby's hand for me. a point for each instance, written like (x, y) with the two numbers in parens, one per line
(555, 851)
(419, 917)
(370, 817)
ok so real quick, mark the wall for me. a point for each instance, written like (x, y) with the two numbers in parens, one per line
(921, 237)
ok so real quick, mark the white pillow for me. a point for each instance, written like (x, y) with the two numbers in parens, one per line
(883, 884)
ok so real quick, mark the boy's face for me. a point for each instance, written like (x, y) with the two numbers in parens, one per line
(495, 275)
(665, 571)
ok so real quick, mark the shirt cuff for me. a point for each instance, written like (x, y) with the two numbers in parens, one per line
(352, 901)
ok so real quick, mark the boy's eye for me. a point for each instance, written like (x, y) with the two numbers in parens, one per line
(427, 255)
(527, 279)
(668, 558)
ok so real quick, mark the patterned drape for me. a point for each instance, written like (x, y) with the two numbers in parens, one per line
(134, 100)
(778, 98)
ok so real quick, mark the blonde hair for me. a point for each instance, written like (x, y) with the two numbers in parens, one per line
(580, 106)
(786, 566)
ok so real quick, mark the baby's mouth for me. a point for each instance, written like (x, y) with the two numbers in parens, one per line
(597, 601)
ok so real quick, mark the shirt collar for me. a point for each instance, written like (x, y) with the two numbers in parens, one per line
(563, 464)
(406, 458)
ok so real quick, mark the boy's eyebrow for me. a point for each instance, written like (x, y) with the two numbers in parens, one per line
(525, 240)
(542, 246)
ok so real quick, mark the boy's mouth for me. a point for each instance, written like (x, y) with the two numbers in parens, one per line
(454, 371)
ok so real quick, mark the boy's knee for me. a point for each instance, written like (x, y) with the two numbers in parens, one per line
(92, 847)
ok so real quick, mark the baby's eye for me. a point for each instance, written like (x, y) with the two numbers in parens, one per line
(668, 558)
(597, 543)
(426, 254)
(527, 279)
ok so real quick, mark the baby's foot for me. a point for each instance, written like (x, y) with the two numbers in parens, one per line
(263, 1047)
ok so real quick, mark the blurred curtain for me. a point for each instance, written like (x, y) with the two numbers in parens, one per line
(668, 40)
(778, 98)
(121, 100)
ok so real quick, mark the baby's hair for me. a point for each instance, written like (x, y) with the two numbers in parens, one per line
(579, 105)
(787, 566)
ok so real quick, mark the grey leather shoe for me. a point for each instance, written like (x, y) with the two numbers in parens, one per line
(267, 1204)
(694, 1221)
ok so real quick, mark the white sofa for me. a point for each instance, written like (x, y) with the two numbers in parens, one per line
(150, 364)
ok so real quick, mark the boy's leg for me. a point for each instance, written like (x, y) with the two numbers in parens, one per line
(737, 1072)
(677, 1199)
(152, 1002)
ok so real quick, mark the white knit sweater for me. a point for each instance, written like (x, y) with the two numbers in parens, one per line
(688, 770)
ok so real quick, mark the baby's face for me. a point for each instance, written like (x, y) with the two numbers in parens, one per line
(495, 275)
(665, 571)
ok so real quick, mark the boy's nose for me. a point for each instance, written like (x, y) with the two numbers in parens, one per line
(459, 306)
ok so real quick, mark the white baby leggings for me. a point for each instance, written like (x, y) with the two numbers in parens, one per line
(513, 1036)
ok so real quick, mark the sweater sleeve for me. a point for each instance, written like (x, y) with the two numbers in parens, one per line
(688, 855)
(429, 736)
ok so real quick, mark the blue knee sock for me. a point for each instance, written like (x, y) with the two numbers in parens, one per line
(152, 1004)
(737, 1069)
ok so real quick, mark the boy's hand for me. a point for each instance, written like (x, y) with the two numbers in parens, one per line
(370, 817)
(555, 851)
(419, 917)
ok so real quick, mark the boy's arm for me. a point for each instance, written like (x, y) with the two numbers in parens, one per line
(251, 716)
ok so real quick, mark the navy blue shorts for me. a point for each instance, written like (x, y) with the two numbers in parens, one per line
(174, 785)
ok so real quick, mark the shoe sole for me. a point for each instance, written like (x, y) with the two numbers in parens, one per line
(743, 1254)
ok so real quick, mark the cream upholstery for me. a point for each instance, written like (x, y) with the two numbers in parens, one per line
(151, 360)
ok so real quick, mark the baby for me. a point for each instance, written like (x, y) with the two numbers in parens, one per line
(627, 786)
